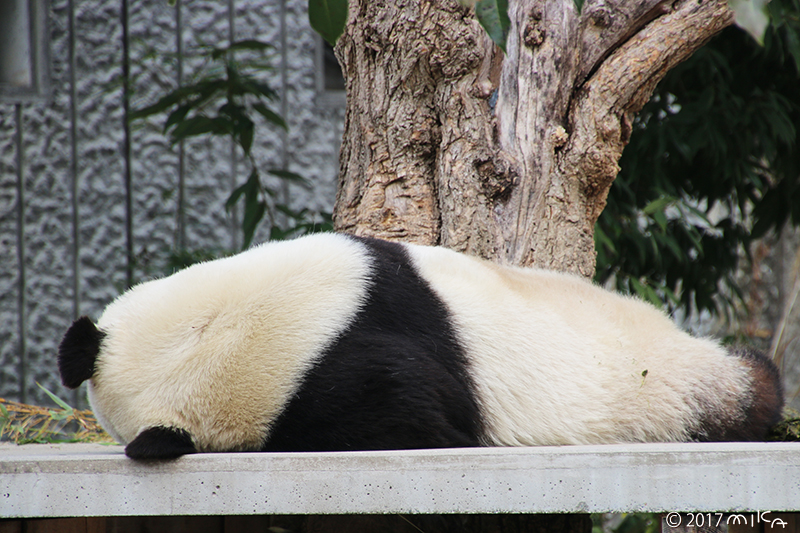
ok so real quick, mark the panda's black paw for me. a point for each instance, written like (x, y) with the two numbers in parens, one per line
(160, 443)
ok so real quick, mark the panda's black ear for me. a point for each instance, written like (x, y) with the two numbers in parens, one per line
(160, 443)
(78, 352)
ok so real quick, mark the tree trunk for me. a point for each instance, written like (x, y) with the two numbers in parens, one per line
(510, 157)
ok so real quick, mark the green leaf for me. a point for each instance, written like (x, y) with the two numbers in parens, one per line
(672, 244)
(58, 415)
(253, 214)
(751, 16)
(602, 239)
(493, 16)
(202, 91)
(254, 207)
(246, 136)
(249, 188)
(646, 293)
(578, 5)
(661, 219)
(257, 88)
(161, 105)
(270, 115)
(328, 18)
(287, 175)
(658, 205)
(61, 403)
(200, 125)
(178, 115)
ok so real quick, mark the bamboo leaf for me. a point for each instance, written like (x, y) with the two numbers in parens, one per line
(250, 44)
(328, 18)
(161, 105)
(287, 175)
(200, 125)
(257, 88)
(270, 115)
(61, 403)
(247, 44)
(249, 188)
(252, 216)
(658, 205)
(246, 131)
(177, 116)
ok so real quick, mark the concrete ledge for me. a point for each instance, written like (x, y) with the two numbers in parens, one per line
(91, 480)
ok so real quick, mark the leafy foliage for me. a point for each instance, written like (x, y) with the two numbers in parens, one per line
(713, 161)
(788, 430)
(224, 101)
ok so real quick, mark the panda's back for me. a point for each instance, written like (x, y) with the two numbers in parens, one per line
(595, 366)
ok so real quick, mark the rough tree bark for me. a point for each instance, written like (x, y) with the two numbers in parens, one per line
(447, 141)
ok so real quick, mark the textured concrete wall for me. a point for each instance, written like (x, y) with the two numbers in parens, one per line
(64, 160)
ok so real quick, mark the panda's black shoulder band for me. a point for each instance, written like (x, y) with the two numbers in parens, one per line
(78, 352)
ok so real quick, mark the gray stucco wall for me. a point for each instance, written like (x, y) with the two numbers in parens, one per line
(63, 164)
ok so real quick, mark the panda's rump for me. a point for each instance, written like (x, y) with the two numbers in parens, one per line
(557, 360)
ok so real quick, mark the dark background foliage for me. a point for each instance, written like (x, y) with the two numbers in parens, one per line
(713, 163)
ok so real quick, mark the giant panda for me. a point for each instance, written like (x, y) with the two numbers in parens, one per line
(332, 342)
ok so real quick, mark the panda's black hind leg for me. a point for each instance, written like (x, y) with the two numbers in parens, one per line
(750, 414)
(160, 443)
(766, 403)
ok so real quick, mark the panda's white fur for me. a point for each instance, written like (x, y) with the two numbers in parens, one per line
(226, 352)
(174, 344)
(554, 354)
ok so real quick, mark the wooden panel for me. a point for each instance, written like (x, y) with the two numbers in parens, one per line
(239, 524)
(10, 526)
(56, 525)
(166, 524)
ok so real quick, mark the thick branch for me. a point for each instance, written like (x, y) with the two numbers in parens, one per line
(606, 24)
(604, 108)
(569, 151)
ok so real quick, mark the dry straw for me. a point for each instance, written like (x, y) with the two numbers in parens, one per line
(23, 424)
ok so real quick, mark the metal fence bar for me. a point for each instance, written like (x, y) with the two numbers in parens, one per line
(180, 237)
(126, 143)
(22, 301)
(234, 229)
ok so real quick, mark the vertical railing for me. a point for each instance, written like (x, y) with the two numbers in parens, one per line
(73, 163)
(180, 237)
(22, 300)
(126, 144)
(75, 247)
(234, 229)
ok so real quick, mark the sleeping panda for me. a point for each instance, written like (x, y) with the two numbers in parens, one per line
(334, 342)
